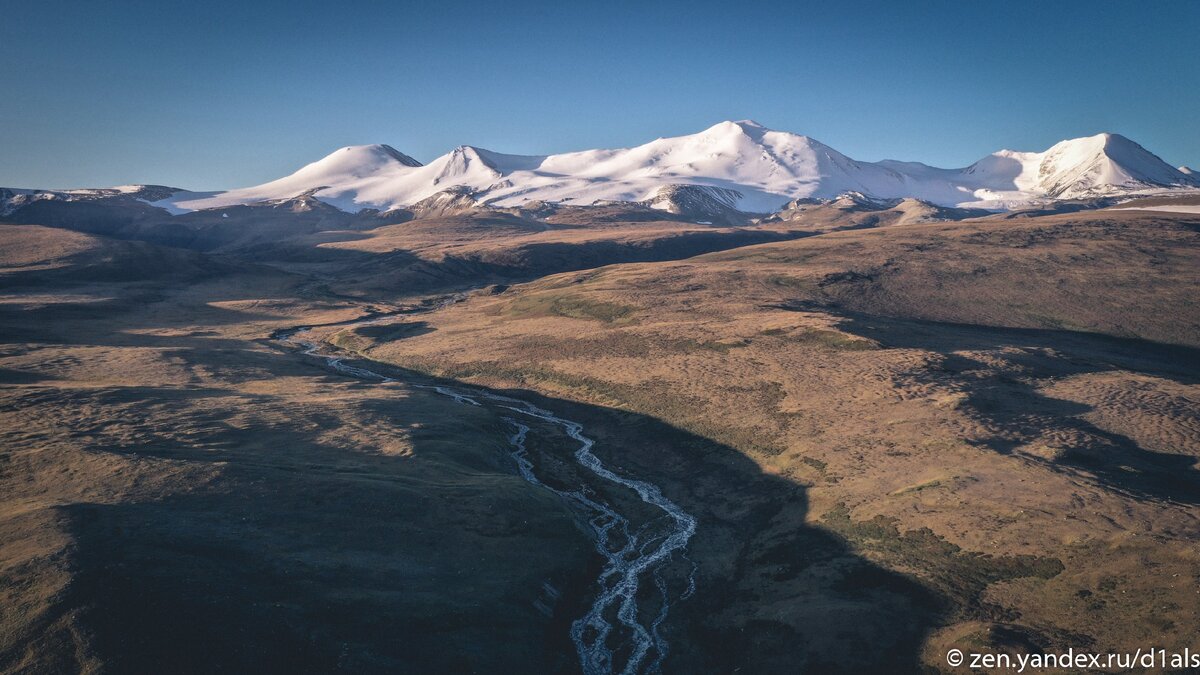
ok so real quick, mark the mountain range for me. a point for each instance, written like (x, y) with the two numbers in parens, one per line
(742, 165)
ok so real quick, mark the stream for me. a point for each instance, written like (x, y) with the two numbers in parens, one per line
(614, 635)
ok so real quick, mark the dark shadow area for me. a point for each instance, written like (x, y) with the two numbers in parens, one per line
(297, 555)
(127, 218)
(394, 331)
(775, 594)
(78, 322)
(51, 322)
(150, 242)
(130, 262)
(385, 274)
(1010, 399)
(14, 376)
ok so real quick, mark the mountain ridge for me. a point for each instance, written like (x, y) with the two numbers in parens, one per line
(766, 168)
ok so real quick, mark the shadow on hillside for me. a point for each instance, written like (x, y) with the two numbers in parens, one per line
(301, 555)
(292, 242)
(306, 557)
(389, 332)
(1009, 398)
(385, 274)
(121, 315)
(774, 594)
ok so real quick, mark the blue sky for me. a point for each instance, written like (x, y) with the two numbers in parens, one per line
(219, 94)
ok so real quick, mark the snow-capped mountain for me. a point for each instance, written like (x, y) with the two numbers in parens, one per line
(12, 199)
(750, 167)
(1099, 165)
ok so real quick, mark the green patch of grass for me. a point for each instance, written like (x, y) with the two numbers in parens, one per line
(960, 575)
(815, 463)
(928, 485)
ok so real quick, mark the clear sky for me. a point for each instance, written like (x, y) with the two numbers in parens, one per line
(217, 93)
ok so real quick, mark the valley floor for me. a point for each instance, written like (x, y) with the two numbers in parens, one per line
(895, 441)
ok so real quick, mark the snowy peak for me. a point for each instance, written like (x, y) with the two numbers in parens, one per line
(464, 163)
(1100, 164)
(355, 161)
(358, 161)
(763, 167)
(469, 165)
(1093, 166)
(748, 128)
(395, 154)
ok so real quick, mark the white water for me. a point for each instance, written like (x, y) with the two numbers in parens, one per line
(612, 637)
